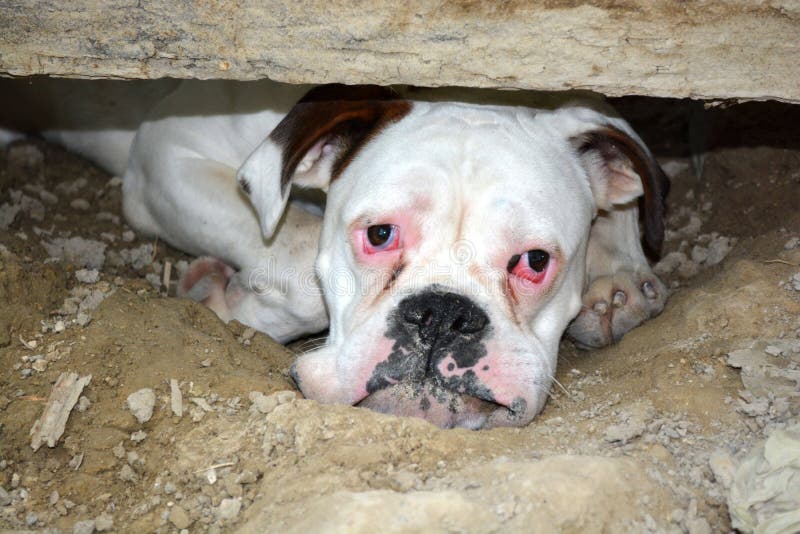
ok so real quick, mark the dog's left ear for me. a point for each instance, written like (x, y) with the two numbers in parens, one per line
(313, 144)
(620, 170)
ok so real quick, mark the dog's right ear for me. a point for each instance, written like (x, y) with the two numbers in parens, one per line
(313, 144)
(621, 169)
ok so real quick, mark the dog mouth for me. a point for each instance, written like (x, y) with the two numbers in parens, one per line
(437, 405)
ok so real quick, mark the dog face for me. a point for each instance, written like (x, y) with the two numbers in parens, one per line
(452, 254)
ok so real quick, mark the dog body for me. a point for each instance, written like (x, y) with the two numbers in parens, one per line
(180, 185)
(458, 241)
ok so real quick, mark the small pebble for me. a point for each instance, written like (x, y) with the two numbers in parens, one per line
(48, 197)
(83, 319)
(141, 404)
(179, 517)
(229, 509)
(103, 523)
(196, 414)
(262, 403)
(285, 396)
(718, 249)
(118, 450)
(87, 276)
(106, 216)
(79, 204)
(83, 527)
(233, 488)
(699, 254)
(126, 474)
(83, 403)
(246, 477)
(154, 280)
(76, 461)
(176, 398)
(698, 526)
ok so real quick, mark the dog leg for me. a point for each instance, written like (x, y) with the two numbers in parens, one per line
(195, 205)
(622, 290)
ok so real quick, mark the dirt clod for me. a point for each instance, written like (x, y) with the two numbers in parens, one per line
(141, 404)
(229, 509)
(83, 527)
(179, 517)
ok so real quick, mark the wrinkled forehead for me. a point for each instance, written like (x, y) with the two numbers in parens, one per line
(504, 160)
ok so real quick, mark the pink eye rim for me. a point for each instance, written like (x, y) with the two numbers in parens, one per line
(531, 266)
(374, 241)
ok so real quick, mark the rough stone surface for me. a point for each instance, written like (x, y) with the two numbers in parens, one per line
(719, 49)
(582, 493)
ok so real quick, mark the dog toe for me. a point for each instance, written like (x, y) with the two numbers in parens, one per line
(614, 305)
(205, 281)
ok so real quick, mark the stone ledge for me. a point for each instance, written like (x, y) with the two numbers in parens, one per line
(717, 50)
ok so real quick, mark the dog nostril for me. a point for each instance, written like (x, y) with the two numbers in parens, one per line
(439, 314)
(419, 316)
(468, 324)
(427, 318)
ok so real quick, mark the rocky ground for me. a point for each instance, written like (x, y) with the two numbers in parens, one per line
(187, 424)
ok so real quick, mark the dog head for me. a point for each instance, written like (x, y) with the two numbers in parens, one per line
(452, 254)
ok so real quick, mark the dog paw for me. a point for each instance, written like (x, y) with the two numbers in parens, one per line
(205, 281)
(614, 305)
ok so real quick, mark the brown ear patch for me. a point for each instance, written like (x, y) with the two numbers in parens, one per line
(611, 143)
(344, 116)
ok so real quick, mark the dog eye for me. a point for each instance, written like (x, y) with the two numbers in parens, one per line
(381, 237)
(530, 266)
(380, 234)
(538, 260)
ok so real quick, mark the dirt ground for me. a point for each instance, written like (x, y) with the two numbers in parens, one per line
(647, 435)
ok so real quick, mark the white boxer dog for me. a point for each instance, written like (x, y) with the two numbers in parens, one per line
(458, 242)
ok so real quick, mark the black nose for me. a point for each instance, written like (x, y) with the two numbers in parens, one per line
(443, 318)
